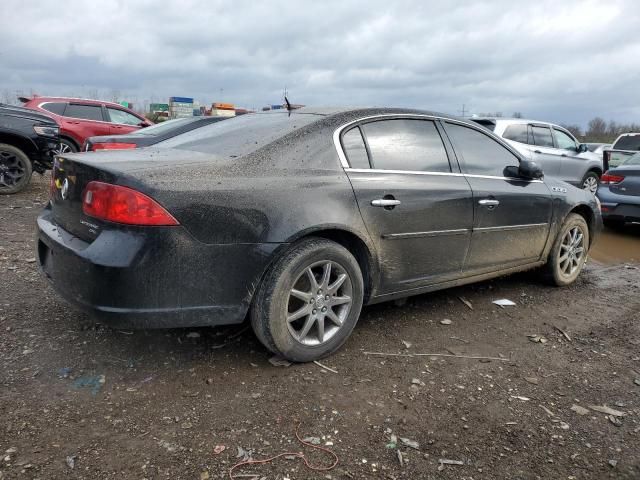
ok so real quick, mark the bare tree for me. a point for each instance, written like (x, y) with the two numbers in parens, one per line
(517, 114)
(575, 130)
(597, 127)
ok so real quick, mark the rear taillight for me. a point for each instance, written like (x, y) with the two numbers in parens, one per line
(118, 204)
(609, 179)
(112, 146)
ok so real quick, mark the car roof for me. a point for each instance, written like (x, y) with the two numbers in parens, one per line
(497, 120)
(77, 100)
(362, 112)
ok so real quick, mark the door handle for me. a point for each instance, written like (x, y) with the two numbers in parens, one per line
(385, 202)
(537, 151)
(489, 202)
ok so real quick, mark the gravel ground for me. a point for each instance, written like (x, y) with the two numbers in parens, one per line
(81, 400)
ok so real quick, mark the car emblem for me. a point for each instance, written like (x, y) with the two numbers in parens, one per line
(65, 189)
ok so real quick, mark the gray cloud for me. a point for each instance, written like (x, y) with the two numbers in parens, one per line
(560, 61)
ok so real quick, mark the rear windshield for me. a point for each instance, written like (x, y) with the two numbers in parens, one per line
(239, 136)
(628, 142)
(164, 127)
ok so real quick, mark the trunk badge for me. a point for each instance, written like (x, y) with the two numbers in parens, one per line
(65, 189)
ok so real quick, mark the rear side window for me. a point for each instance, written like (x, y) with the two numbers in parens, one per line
(481, 154)
(86, 112)
(54, 107)
(542, 136)
(517, 133)
(354, 149)
(628, 142)
(406, 144)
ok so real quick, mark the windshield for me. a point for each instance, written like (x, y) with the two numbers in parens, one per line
(164, 127)
(628, 142)
(239, 135)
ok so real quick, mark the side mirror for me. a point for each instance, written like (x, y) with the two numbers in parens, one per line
(582, 148)
(530, 170)
(143, 124)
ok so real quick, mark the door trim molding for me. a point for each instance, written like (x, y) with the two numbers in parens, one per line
(434, 233)
(509, 227)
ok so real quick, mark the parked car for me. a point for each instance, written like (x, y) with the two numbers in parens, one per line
(625, 146)
(27, 142)
(79, 119)
(598, 148)
(554, 148)
(619, 193)
(148, 136)
(298, 219)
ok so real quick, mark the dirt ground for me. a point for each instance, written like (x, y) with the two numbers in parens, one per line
(80, 400)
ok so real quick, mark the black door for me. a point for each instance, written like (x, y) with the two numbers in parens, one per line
(511, 216)
(418, 211)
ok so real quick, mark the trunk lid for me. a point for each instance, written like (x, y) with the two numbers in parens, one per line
(631, 183)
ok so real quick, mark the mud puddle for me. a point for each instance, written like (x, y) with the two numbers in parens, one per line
(618, 246)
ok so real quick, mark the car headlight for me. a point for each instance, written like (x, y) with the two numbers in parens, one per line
(46, 131)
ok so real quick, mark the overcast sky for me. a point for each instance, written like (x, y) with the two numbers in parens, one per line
(561, 61)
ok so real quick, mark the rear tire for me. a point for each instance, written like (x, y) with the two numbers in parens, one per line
(309, 301)
(590, 182)
(569, 251)
(15, 169)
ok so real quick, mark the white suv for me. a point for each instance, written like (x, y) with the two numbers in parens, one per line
(554, 148)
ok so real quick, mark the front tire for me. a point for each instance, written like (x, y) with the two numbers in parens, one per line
(66, 146)
(590, 182)
(15, 169)
(309, 301)
(569, 251)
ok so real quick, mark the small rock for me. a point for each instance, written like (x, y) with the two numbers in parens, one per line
(613, 463)
(187, 425)
(256, 395)
(417, 381)
(27, 351)
(615, 420)
(312, 440)
(71, 461)
(410, 443)
(537, 339)
(406, 344)
(204, 475)
(277, 361)
(446, 321)
(218, 449)
(532, 380)
(193, 335)
(209, 381)
(11, 450)
(637, 381)
(31, 260)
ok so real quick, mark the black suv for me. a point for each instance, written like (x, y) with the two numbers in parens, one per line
(27, 142)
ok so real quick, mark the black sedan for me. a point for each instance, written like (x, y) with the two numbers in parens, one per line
(296, 220)
(148, 136)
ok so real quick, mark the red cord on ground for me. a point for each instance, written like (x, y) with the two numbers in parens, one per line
(291, 454)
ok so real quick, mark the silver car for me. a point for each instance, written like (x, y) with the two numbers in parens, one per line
(554, 148)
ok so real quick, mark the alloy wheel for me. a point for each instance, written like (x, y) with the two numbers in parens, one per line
(590, 183)
(571, 251)
(63, 148)
(12, 171)
(319, 303)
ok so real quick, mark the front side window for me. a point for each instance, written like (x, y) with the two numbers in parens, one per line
(54, 107)
(517, 133)
(481, 154)
(86, 112)
(125, 118)
(354, 149)
(564, 141)
(406, 144)
(542, 136)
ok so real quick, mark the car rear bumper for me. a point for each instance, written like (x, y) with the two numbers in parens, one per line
(619, 207)
(151, 277)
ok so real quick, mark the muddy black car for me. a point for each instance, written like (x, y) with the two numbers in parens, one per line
(296, 220)
(28, 140)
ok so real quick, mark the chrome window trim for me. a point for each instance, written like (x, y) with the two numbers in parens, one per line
(446, 174)
(345, 163)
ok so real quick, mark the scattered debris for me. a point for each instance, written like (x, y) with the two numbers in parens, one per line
(564, 334)
(410, 443)
(325, 367)
(31, 260)
(547, 411)
(446, 321)
(218, 449)
(64, 372)
(312, 440)
(95, 382)
(606, 410)
(71, 461)
(400, 459)
(27, 351)
(615, 420)
(472, 357)
(246, 455)
(193, 335)
(637, 381)
(445, 461)
(204, 475)
(466, 302)
(277, 361)
(532, 380)
(417, 381)
(579, 410)
(537, 339)
(168, 446)
(519, 397)
(613, 463)
(406, 344)
(504, 302)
